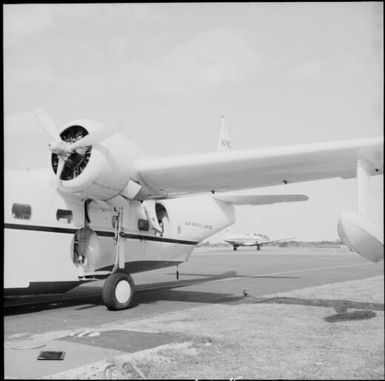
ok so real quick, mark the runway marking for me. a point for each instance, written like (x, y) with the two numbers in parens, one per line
(293, 272)
(86, 333)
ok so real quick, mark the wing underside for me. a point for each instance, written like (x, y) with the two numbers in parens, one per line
(258, 199)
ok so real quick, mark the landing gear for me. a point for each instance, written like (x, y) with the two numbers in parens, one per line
(258, 247)
(118, 291)
(235, 248)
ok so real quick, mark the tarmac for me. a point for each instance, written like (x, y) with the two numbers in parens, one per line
(78, 323)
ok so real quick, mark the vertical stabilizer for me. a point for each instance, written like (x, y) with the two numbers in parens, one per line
(224, 141)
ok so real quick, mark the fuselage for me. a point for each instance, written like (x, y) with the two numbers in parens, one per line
(245, 240)
(53, 239)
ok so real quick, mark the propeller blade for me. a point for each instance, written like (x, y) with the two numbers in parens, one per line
(48, 125)
(60, 167)
(95, 137)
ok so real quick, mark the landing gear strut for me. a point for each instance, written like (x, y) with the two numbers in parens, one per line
(118, 291)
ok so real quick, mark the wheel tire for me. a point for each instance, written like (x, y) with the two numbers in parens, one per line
(118, 291)
(235, 248)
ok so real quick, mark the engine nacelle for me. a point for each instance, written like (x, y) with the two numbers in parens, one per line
(361, 235)
(100, 171)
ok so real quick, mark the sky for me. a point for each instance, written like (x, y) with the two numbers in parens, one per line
(280, 73)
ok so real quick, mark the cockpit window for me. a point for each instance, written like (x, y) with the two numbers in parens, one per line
(62, 214)
(22, 211)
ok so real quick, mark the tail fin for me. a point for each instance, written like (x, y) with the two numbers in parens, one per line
(224, 141)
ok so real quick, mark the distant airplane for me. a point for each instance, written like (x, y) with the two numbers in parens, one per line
(101, 209)
(250, 240)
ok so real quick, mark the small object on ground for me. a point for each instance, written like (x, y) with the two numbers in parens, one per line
(245, 292)
(51, 355)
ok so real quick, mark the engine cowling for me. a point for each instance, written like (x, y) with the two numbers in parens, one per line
(100, 171)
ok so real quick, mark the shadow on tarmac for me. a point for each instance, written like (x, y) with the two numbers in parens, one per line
(33, 304)
(353, 315)
(184, 296)
(89, 297)
(362, 310)
(243, 276)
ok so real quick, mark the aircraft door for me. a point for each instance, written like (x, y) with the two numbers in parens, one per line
(157, 216)
(163, 218)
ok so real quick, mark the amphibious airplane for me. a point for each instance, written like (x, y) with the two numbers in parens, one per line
(103, 210)
(257, 240)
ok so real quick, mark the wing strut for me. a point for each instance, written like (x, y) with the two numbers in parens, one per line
(363, 183)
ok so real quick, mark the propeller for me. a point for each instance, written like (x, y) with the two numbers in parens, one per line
(74, 153)
(60, 168)
(95, 137)
(48, 125)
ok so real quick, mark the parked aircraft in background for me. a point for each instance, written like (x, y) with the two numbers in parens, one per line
(257, 240)
(103, 210)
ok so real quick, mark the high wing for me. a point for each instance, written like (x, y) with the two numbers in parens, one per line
(232, 170)
(252, 241)
(245, 241)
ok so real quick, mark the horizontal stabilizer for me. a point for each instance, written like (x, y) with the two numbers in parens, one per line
(256, 199)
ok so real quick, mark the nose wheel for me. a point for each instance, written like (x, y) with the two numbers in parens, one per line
(118, 291)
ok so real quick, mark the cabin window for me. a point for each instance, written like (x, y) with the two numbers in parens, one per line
(62, 214)
(22, 211)
(143, 225)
